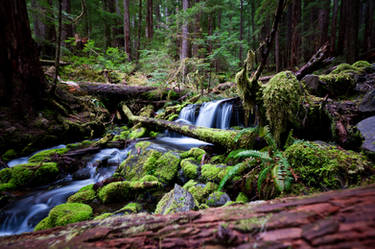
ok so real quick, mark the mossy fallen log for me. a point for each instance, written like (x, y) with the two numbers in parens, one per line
(228, 139)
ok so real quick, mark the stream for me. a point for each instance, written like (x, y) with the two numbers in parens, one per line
(23, 214)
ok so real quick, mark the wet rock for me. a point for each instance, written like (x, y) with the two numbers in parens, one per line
(368, 102)
(81, 174)
(217, 199)
(177, 200)
(367, 129)
(313, 84)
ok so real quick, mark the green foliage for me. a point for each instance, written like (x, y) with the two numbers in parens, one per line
(85, 195)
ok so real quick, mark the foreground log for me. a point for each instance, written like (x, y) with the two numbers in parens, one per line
(337, 219)
(228, 139)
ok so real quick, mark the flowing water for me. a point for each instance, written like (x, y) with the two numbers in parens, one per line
(23, 214)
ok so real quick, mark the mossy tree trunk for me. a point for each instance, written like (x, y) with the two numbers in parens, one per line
(228, 139)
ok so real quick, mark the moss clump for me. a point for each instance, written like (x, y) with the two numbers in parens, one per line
(189, 168)
(326, 167)
(173, 117)
(130, 208)
(200, 192)
(85, 195)
(9, 155)
(242, 198)
(281, 97)
(137, 133)
(214, 173)
(103, 216)
(344, 68)
(30, 174)
(64, 214)
(196, 153)
(115, 191)
(339, 83)
(361, 65)
(164, 167)
(217, 198)
(218, 159)
(46, 155)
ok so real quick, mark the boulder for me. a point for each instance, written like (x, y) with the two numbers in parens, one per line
(217, 199)
(177, 200)
(313, 84)
(368, 102)
(367, 130)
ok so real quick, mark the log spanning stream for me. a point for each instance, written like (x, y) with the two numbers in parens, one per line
(25, 213)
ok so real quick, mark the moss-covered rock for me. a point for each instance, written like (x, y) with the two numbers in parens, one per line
(126, 190)
(137, 133)
(199, 191)
(189, 168)
(85, 195)
(361, 65)
(344, 68)
(46, 155)
(177, 200)
(325, 167)
(217, 199)
(337, 84)
(130, 208)
(282, 98)
(242, 198)
(30, 174)
(64, 214)
(103, 216)
(145, 160)
(196, 153)
(214, 173)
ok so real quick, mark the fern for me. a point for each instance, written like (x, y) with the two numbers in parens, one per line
(244, 131)
(233, 171)
(233, 153)
(264, 156)
(281, 175)
(262, 177)
(269, 138)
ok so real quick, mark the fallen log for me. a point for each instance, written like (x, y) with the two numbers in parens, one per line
(228, 139)
(336, 219)
(122, 92)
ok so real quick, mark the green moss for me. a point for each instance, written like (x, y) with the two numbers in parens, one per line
(46, 155)
(173, 117)
(7, 186)
(326, 167)
(200, 192)
(196, 153)
(281, 97)
(218, 159)
(214, 198)
(252, 225)
(103, 216)
(130, 208)
(5, 175)
(138, 133)
(64, 214)
(122, 136)
(164, 167)
(142, 145)
(242, 198)
(344, 68)
(189, 168)
(9, 155)
(361, 65)
(338, 84)
(85, 195)
(149, 178)
(215, 173)
(115, 191)
(146, 111)
(154, 133)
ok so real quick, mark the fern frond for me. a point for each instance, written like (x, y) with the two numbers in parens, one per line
(262, 176)
(264, 156)
(266, 133)
(281, 174)
(233, 153)
(233, 171)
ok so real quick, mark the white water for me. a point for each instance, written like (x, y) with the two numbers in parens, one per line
(25, 213)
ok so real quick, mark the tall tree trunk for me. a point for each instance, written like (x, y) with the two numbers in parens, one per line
(185, 33)
(139, 28)
(296, 38)
(369, 23)
(352, 24)
(58, 46)
(22, 83)
(342, 28)
(157, 14)
(39, 27)
(197, 32)
(324, 21)
(241, 31)
(334, 26)
(127, 29)
(149, 20)
(109, 30)
(277, 51)
(67, 28)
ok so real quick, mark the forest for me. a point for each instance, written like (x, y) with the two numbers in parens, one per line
(187, 124)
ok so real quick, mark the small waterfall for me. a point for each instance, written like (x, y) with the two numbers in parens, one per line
(188, 113)
(224, 117)
(23, 214)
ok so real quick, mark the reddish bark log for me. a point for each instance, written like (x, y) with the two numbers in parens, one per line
(336, 219)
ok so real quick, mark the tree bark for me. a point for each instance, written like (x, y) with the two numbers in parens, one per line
(352, 26)
(139, 28)
(149, 20)
(223, 138)
(334, 27)
(67, 28)
(296, 38)
(127, 44)
(22, 83)
(335, 219)
(324, 21)
(197, 32)
(241, 31)
(185, 33)
(39, 27)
